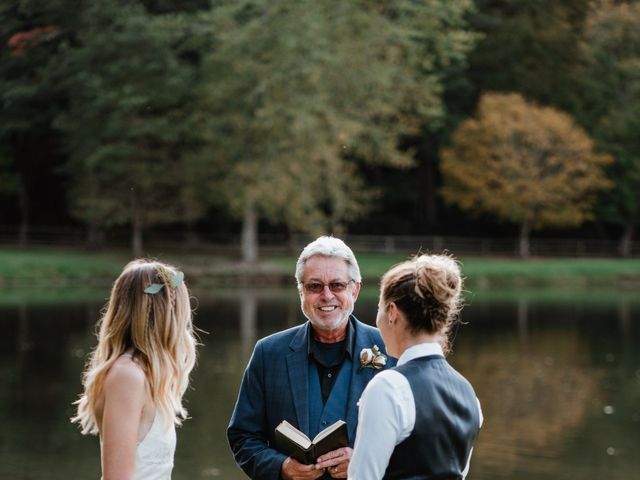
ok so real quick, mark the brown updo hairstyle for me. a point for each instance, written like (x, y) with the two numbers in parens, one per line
(427, 290)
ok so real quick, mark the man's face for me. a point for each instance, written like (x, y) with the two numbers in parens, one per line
(327, 309)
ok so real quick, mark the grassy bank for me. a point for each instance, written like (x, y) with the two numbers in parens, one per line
(51, 268)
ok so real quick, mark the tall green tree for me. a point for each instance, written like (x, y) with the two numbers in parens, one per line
(30, 36)
(528, 47)
(128, 125)
(302, 93)
(610, 95)
(525, 164)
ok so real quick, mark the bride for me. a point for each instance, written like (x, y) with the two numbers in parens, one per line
(136, 376)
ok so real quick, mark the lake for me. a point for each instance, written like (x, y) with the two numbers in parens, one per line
(557, 373)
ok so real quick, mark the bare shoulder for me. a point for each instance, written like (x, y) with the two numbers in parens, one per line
(124, 394)
(125, 374)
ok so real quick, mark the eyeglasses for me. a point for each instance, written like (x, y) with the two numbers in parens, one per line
(335, 287)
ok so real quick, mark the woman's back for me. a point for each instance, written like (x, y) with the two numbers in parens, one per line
(447, 421)
(137, 374)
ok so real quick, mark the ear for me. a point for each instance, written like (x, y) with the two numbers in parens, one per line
(392, 313)
(356, 290)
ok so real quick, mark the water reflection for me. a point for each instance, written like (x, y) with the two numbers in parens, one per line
(559, 381)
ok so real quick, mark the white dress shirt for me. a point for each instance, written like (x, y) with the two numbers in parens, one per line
(386, 418)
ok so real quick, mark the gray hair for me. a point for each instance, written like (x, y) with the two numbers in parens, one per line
(327, 246)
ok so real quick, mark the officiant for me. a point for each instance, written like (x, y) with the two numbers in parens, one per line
(310, 375)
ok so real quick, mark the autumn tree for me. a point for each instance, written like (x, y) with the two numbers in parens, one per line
(523, 163)
(608, 107)
(301, 93)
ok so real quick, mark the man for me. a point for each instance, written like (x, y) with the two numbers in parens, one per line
(309, 375)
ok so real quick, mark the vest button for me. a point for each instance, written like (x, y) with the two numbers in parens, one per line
(324, 422)
(329, 375)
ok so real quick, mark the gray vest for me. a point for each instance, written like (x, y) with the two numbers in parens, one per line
(447, 423)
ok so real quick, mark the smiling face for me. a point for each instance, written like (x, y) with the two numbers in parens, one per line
(328, 310)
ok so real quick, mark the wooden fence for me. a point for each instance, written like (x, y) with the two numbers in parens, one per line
(229, 243)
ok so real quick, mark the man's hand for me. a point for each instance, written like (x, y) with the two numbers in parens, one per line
(336, 462)
(294, 470)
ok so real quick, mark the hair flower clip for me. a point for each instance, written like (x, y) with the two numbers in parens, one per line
(172, 280)
(372, 358)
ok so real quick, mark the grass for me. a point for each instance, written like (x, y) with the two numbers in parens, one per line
(556, 272)
(51, 268)
(57, 267)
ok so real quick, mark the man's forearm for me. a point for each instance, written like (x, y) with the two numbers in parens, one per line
(255, 457)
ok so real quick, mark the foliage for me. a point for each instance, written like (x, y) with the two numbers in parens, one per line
(175, 112)
(528, 47)
(523, 163)
(610, 97)
(128, 118)
(30, 34)
(302, 93)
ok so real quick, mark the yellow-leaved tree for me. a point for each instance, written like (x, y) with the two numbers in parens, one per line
(525, 164)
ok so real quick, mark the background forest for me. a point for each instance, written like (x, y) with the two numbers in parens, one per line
(401, 117)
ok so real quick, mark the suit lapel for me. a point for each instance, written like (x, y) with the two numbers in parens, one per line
(298, 370)
(359, 379)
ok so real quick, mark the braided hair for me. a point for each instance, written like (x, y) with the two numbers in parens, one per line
(156, 325)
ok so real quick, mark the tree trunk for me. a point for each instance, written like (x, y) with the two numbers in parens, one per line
(428, 171)
(523, 321)
(523, 245)
(137, 247)
(624, 247)
(249, 239)
(248, 321)
(95, 237)
(191, 238)
(137, 226)
(23, 200)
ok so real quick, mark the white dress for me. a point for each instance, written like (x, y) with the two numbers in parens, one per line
(154, 455)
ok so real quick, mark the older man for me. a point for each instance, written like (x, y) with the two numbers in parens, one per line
(310, 375)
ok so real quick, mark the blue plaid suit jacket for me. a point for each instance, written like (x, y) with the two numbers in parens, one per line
(275, 388)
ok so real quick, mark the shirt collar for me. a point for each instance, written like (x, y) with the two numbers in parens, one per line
(420, 350)
(348, 344)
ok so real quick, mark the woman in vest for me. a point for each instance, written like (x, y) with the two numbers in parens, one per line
(418, 420)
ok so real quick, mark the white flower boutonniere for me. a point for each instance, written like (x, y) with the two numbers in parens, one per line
(372, 358)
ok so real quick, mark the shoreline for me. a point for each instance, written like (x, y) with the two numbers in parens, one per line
(64, 269)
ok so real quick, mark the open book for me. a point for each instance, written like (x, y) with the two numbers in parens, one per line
(292, 442)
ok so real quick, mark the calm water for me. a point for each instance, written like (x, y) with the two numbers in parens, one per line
(558, 375)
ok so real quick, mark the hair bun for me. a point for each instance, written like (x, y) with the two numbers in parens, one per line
(437, 276)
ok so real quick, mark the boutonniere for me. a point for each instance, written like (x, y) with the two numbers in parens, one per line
(372, 358)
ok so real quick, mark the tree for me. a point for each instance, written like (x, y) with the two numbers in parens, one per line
(523, 163)
(610, 95)
(128, 123)
(527, 47)
(30, 33)
(301, 93)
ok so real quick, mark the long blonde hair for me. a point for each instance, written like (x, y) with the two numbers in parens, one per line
(157, 327)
